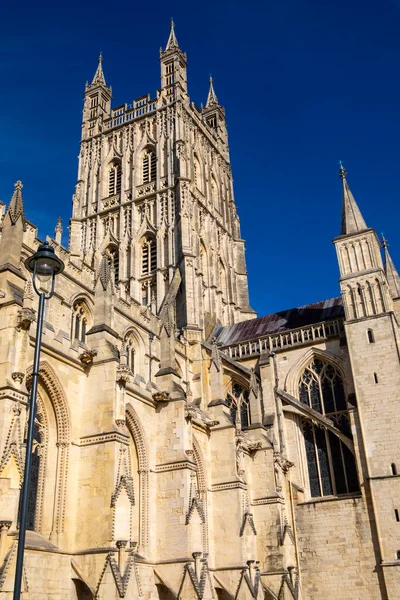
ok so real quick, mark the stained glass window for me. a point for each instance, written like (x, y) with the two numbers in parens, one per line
(331, 465)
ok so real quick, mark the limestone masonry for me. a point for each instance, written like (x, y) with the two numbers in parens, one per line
(183, 447)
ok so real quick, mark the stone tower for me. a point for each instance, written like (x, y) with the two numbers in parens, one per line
(373, 342)
(154, 194)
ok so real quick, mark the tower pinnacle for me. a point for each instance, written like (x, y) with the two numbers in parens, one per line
(352, 219)
(391, 273)
(16, 207)
(99, 78)
(212, 99)
(172, 41)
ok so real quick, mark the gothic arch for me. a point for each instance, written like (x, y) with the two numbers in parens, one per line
(51, 385)
(235, 377)
(130, 330)
(137, 432)
(50, 381)
(130, 335)
(292, 378)
(83, 296)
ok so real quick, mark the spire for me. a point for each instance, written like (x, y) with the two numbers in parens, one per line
(352, 219)
(13, 230)
(212, 99)
(99, 78)
(391, 273)
(172, 41)
(16, 207)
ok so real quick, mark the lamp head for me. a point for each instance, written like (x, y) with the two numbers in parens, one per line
(44, 263)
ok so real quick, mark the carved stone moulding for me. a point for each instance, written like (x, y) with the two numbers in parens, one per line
(18, 376)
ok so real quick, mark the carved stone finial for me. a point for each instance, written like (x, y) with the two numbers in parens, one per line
(215, 354)
(254, 387)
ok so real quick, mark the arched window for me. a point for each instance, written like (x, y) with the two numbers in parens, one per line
(197, 173)
(130, 351)
(114, 178)
(238, 400)
(370, 335)
(149, 166)
(331, 465)
(79, 323)
(113, 259)
(149, 255)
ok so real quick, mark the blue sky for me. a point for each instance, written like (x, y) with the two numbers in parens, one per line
(304, 84)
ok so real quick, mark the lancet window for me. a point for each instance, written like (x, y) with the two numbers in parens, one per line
(331, 465)
(114, 178)
(149, 255)
(239, 407)
(149, 166)
(79, 323)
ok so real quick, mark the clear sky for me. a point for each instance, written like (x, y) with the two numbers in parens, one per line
(304, 84)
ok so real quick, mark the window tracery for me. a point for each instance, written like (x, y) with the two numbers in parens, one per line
(79, 322)
(331, 465)
(239, 407)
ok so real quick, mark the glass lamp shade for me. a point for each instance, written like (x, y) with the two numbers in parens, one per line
(44, 263)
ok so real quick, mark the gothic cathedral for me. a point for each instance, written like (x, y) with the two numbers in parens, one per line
(184, 448)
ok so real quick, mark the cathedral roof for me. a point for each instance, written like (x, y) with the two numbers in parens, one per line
(280, 321)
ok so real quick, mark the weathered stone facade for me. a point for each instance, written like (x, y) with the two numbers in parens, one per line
(184, 448)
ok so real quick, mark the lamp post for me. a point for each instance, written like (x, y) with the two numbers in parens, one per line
(44, 265)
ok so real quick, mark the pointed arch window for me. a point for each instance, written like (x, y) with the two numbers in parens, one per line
(130, 344)
(114, 178)
(79, 322)
(331, 465)
(149, 166)
(237, 401)
(149, 255)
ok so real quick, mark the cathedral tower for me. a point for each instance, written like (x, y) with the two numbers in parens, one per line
(154, 195)
(372, 334)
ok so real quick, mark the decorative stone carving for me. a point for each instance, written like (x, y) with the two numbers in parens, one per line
(26, 316)
(86, 357)
(18, 377)
(195, 415)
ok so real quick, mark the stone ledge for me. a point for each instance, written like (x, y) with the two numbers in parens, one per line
(354, 496)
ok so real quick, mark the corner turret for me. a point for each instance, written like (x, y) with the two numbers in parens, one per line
(97, 103)
(214, 115)
(173, 69)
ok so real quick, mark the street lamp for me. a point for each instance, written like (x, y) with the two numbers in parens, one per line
(44, 265)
